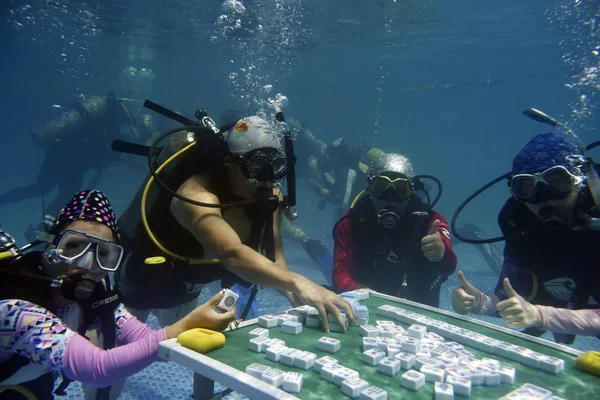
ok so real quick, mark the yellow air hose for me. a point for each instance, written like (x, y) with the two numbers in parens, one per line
(19, 389)
(161, 260)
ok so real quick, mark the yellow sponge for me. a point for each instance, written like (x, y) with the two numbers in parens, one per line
(201, 340)
(589, 362)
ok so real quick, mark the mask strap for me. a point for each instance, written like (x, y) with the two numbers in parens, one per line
(593, 182)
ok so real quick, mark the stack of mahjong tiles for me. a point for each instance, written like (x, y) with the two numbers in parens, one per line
(530, 392)
(328, 367)
(348, 380)
(361, 313)
(452, 368)
(291, 321)
(476, 340)
(276, 351)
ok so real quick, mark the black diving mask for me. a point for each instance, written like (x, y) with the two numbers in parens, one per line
(263, 165)
(552, 184)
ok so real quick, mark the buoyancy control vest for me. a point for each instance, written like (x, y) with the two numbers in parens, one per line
(390, 260)
(173, 274)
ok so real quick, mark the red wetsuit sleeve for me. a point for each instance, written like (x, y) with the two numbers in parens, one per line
(343, 256)
(448, 263)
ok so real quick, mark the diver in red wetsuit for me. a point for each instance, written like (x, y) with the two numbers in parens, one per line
(390, 240)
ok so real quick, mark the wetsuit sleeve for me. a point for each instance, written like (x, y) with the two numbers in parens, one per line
(343, 258)
(129, 328)
(448, 263)
(34, 332)
(89, 364)
(574, 322)
(41, 337)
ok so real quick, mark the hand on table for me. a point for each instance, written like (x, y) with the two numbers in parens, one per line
(325, 301)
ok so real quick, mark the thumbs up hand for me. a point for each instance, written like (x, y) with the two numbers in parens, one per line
(517, 312)
(466, 297)
(432, 244)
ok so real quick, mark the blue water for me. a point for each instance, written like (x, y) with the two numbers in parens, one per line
(443, 82)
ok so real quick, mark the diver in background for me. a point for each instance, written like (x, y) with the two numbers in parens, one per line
(333, 174)
(333, 170)
(552, 234)
(82, 135)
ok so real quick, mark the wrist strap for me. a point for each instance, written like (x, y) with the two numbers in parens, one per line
(483, 304)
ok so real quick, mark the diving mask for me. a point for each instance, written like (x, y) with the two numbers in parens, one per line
(556, 183)
(81, 250)
(263, 165)
(392, 189)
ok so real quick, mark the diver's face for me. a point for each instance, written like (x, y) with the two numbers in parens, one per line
(93, 272)
(240, 185)
(558, 209)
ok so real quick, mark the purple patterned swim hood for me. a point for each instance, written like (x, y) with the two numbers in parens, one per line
(87, 205)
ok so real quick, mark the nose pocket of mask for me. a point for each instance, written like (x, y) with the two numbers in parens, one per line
(86, 261)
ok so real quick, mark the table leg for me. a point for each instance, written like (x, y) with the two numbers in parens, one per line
(204, 388)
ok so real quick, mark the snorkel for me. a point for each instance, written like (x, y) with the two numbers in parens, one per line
(584, 162)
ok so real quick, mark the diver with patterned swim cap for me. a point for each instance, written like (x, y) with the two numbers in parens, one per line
(549, 279)
(390, 240)
(227, 228)
(56, 303)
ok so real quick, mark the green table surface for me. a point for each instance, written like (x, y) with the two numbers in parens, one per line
(570, 384)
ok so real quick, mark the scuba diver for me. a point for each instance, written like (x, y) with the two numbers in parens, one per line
(552, 230)
(332, 175)
(54, 300)
(390, 240)
(332, 170)
(214, 215)
(79, 135)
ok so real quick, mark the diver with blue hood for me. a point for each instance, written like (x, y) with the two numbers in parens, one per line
(211, 210)
(551, 229)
